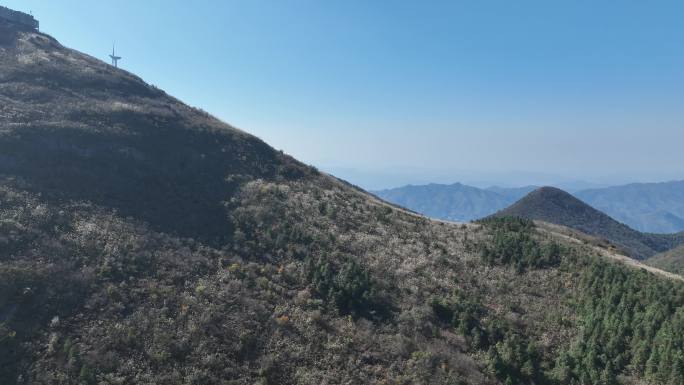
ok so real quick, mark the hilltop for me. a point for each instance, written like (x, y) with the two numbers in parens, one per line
(556, 206)
(145, 242)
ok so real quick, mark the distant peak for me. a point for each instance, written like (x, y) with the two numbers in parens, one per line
(550, 204)
(553, 205)
(550, 190)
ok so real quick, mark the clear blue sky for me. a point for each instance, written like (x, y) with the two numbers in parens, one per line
(571, 88)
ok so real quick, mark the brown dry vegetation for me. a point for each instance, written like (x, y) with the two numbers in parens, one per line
(672, 260)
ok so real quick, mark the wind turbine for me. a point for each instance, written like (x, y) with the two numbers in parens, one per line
(115, 59)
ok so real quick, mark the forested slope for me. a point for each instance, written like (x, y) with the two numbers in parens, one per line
(455, 202)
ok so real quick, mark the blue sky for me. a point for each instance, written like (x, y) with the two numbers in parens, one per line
(391, 92)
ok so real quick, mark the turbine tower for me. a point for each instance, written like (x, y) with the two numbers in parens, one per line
(115, 59)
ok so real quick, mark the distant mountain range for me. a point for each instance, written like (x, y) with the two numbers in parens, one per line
(649, 207)
(646, 207)
(514, 193)
(556, 206)
(456, 202)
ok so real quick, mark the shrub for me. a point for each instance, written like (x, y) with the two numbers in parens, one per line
(513, 243)
(511, 357)
(348, 288)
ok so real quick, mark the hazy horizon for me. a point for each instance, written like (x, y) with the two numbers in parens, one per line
(574, 92)
(388, 178)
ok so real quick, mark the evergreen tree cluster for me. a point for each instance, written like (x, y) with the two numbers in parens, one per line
(511, 356)
(513, 243)
(632, 324)
(348, 288)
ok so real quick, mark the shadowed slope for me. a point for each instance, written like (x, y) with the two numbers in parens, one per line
(74, 128)
(455, 202)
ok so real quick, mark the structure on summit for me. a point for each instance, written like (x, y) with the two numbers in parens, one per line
(115, 59)
(17, 17)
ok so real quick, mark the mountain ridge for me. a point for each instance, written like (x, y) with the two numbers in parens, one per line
(437, 201)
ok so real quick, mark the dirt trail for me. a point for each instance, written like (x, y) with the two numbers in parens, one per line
(562, 232)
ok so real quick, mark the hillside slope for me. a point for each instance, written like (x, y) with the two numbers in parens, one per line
(145, 242)
(646, 207)
(553, 205)
(70, 120)
(671, 260)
